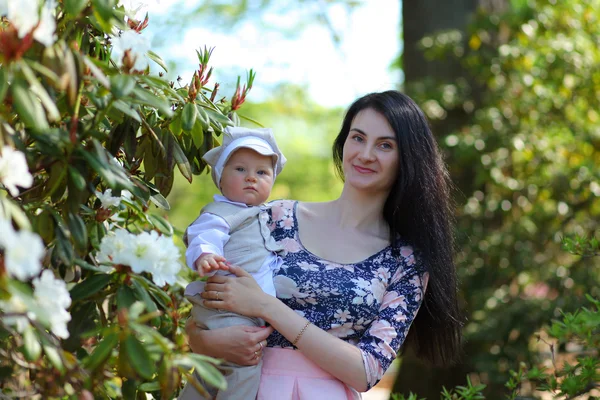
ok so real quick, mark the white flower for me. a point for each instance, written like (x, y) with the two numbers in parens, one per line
(53, 298)
(143, 252)
(107, 199)
(137, 44)
(134, 7)
(115, 246)
(14, 171)
(7, 232)
(126, 195)
(146, 252)
(23, 251)
(18, 305)
(167, 264)
(25, 15)
(48, 305)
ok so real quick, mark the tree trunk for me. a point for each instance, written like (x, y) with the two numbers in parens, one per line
(423, 18)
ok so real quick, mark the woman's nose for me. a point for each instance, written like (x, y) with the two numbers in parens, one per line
(366, 154)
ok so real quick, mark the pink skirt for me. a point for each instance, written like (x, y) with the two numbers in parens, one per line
(288, 375)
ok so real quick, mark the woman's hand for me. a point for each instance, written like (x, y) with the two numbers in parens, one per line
(240, 294)
(238, 344)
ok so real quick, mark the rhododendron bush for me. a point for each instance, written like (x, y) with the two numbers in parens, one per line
(91, 136)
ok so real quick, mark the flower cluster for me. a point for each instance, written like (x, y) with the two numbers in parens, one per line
(108, 200)
(13, 170)
(146, 252)
(48, 305)
(23, 251)
(28, 16)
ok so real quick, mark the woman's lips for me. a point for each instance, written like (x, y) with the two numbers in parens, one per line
(363, 170)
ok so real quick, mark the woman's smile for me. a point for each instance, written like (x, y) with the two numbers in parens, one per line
(363, 170)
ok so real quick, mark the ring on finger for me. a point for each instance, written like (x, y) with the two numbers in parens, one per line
(261, 346)
(218, 295)
(256, 354)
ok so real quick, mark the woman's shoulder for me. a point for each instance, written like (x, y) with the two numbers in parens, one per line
(408, 255)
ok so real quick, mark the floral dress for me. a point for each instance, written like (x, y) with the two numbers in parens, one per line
(370, 304)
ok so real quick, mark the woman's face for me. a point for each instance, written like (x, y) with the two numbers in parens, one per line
(370, 158)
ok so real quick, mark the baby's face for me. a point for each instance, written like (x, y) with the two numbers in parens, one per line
(247, 177)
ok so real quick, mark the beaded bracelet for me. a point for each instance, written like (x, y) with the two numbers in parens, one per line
(300, 333)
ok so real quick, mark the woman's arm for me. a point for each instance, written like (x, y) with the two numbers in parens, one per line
(235, 344)
(242, 295)
(339, 358)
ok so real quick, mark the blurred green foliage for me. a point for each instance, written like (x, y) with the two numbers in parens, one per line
(526, 168)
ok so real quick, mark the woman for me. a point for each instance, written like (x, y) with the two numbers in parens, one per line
(357, 267)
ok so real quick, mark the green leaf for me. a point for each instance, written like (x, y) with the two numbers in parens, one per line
(102, 351)
(175, 125)
(164, 183)
(12, 210)
(127, 109)
(36, 87)
(76, 178)
(182, 161)
(83, 319)
(3, 84)
(85, 265)
(150, 163)
(28, 107)
(161, 224)
(78, 230)
(188, 117)
(96, 71)
(153, 100)
(141, 293)
(32, 349)
(74, 7)
(198, 134)
(90, 286)
(217, 116)
(208, 372)
(156, 58)
(149, 387)
(139, 357)
(152, 334)
(121, 85)
(125, 297)
(63, 247)
(160, 201)
(250, 120)
(53, 355)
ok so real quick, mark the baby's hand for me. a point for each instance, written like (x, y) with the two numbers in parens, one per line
(209, 262)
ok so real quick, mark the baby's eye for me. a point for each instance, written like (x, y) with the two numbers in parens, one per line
(261, 172)
(240, 169)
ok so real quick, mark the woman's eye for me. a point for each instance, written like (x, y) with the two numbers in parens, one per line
(386, 146)
(357, 138)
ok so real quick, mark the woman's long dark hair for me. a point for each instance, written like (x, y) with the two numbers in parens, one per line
(419, 209)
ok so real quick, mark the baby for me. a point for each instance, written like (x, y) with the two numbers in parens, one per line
(233, 230)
